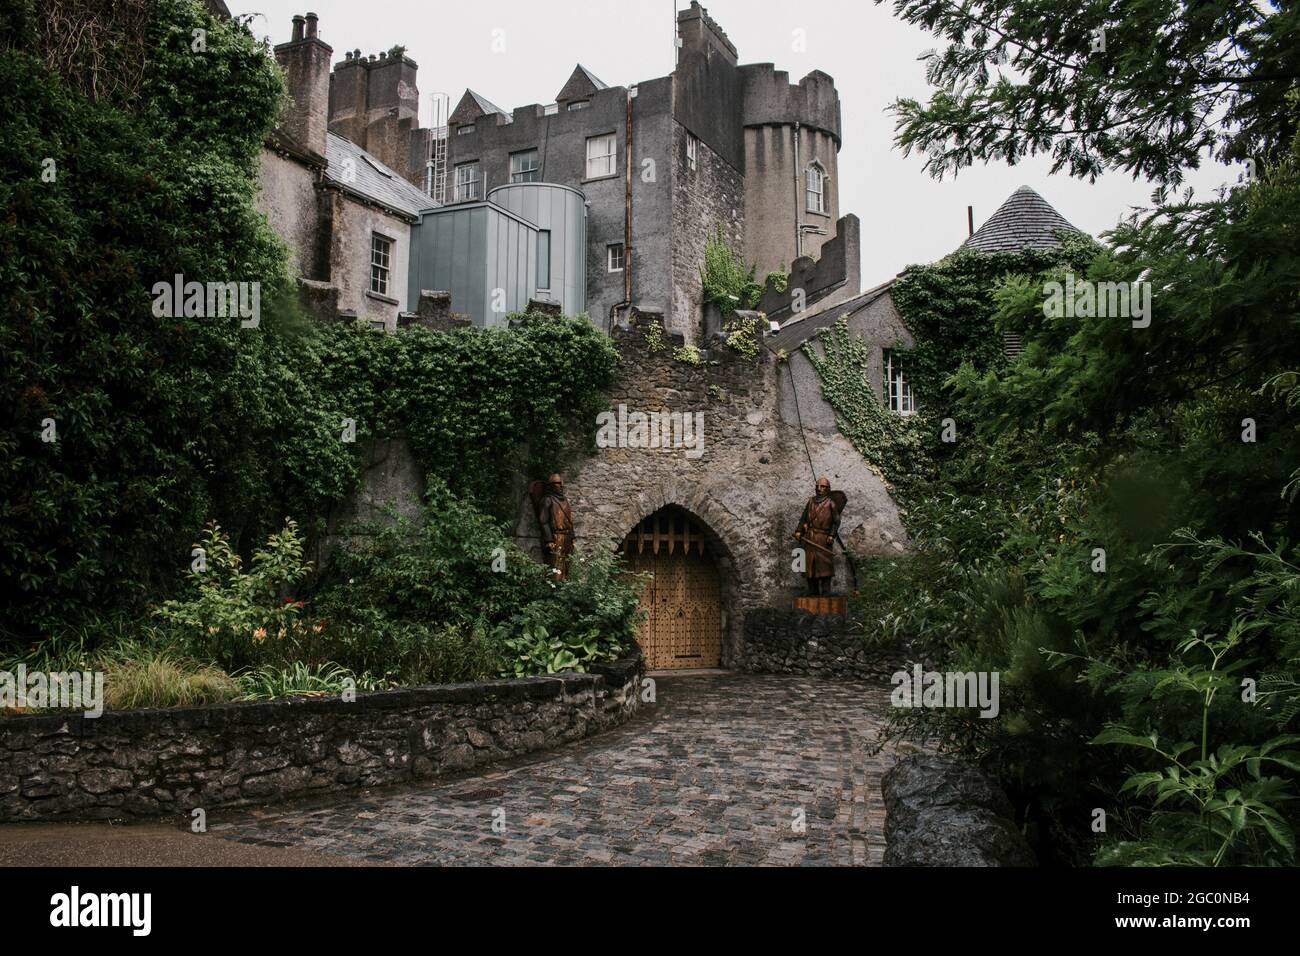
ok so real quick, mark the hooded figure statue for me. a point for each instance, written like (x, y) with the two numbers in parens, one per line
(817, 529)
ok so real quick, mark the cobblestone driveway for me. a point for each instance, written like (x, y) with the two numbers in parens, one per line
(713, 773)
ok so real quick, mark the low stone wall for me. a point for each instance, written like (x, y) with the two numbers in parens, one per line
(943, 811)
(778, 641)
(151, 763)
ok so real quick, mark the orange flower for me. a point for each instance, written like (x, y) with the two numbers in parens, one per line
(259, 634)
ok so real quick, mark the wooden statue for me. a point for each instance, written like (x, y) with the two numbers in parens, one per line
(816, 534)
(555, 518)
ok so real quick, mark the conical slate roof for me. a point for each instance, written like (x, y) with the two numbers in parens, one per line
(1025, 221)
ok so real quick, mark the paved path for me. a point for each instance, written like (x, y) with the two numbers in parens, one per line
(719, 771)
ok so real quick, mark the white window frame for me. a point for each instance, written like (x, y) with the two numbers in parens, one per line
(814, 188)
(898, 390)
(609, 257)
(381, 262)
(692, 150)
(602, 162)
(464, 194)
(530, 174)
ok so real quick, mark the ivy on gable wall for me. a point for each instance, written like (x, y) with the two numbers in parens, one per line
(949, 308)
(892, 444)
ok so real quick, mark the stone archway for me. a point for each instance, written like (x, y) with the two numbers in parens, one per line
(681, 590)
(727, 548)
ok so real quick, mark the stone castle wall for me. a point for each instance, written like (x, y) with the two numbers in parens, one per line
(748, 486)
(151, 763)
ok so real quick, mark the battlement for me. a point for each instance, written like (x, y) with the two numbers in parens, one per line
(770, 98)
(699, 32)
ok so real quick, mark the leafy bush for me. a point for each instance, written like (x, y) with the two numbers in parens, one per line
(725, 280)
(161, 425)
(1223, 807)
(231, 613)
(441, 600)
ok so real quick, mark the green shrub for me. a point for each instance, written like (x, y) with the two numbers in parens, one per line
(725, 280)
(236, 617)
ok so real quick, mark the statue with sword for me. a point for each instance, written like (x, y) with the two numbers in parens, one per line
(818, 529)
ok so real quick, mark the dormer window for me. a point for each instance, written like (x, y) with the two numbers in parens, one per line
(579, 105)
(464, 128)
(815, 188)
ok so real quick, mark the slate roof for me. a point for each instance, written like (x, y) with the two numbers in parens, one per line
(374, 180)
(595, 80)
(1025, 221)
(798, 331)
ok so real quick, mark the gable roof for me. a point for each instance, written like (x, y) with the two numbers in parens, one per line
(373, 180)
(798, 331)
(581, 84)
(1025, 221)
(473, 105)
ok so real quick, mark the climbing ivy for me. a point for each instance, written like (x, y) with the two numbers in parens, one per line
(741, 336)
(893, 445)
(128, 432)
(948, 307)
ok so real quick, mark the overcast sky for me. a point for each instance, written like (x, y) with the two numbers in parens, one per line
(907, 217)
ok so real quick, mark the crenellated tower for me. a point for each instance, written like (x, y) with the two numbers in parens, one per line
(791, 144)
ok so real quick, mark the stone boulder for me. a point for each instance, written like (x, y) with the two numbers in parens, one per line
(943, 811)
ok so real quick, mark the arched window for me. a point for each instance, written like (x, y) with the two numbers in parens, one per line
(815, 188)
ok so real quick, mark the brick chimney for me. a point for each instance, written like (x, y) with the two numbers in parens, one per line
(305, 60)
(375, 103)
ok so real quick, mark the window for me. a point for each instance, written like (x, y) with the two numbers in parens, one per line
(614, 256)
(466, 182)
(815, 189)
(581, 104)
(692, 150)
(544, 260)
(464, 129)
(381, 255)
(600, 156)
(898, 390)
(524, 168)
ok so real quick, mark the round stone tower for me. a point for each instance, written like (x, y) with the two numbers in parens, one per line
(792, 143)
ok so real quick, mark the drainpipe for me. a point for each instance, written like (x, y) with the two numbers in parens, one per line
(627, 217)
(798, 225)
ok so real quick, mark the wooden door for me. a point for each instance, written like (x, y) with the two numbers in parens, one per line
(682, 626)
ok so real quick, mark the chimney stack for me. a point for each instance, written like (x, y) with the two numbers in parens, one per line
(305, 60)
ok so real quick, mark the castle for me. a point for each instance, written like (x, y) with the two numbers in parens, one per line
(602, 203)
